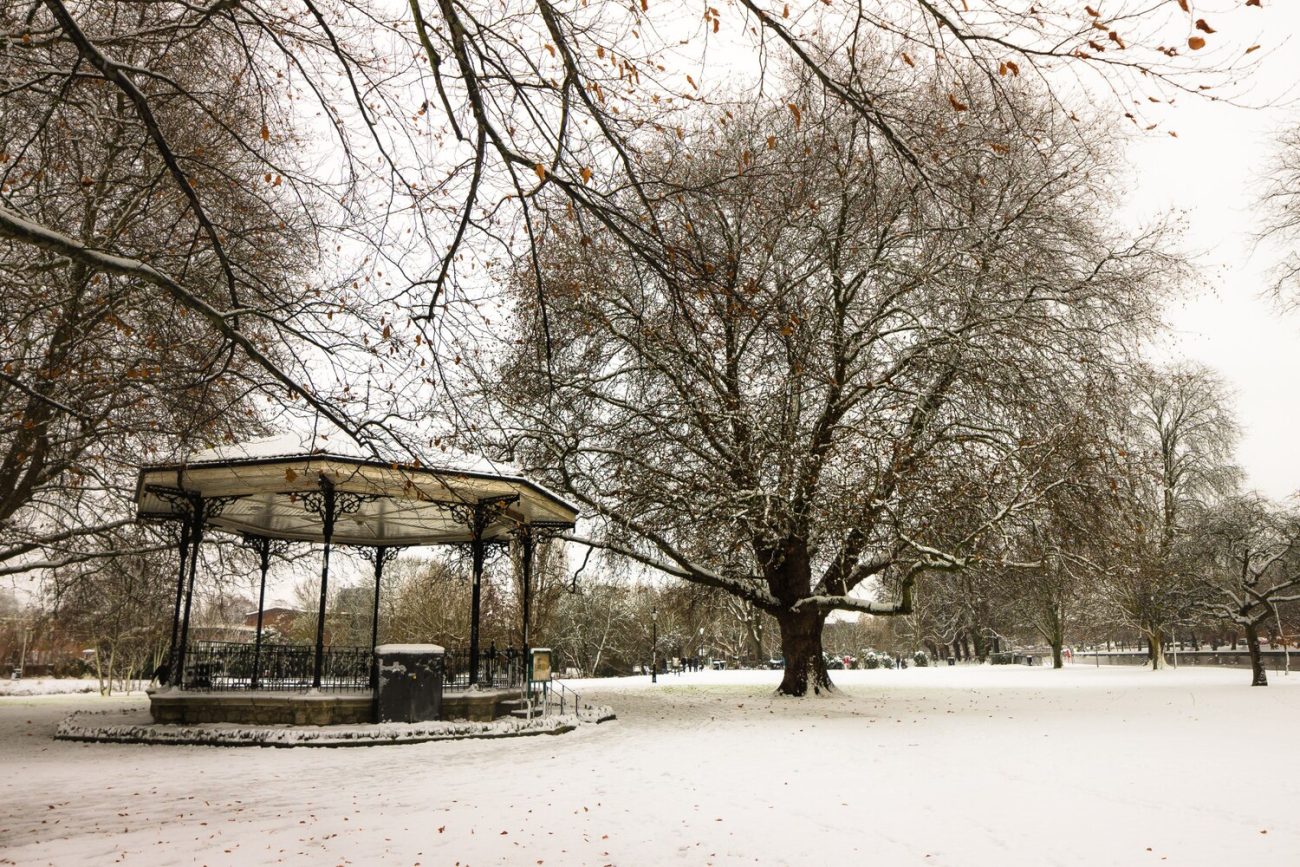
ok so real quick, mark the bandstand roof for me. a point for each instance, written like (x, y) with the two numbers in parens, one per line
(266, 485)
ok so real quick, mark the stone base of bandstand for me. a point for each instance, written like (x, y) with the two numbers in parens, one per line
(251, 707)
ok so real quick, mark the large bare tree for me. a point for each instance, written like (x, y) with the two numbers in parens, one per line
(832, 380)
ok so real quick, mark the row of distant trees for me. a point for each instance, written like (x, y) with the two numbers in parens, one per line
(599, 624)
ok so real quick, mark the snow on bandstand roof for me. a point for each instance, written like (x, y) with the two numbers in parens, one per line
(267, 485)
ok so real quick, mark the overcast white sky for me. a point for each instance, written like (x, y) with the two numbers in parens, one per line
(1214, 172)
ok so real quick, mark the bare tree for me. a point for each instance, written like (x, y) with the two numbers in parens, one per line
(119, 614)
(1171, 464)
(1069, 537)
(1251, 567)
(601, 628)
(825, 384)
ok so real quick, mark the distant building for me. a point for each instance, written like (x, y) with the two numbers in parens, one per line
(279, 619)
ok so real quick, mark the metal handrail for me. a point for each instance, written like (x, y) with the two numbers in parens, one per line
(560, 692)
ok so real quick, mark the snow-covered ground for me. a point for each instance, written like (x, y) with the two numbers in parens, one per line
(957, 766)
(48, 686)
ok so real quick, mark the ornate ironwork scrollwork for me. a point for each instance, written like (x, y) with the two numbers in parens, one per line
(185, 503)
(182, 502)
(345, 502)
(388, 553)
(477, 517)
(255, 543)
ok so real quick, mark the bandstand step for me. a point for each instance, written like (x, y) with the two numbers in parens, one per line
(520, 709)
(526, 713)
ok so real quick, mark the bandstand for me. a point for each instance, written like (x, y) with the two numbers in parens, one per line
(286, 489)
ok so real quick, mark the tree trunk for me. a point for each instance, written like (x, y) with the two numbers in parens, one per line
(1258, 677)
(801, 645)
(754, 637)
(1156, 649)
(981, 651)
(1057, 661)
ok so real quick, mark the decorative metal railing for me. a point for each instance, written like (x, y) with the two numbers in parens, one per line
(497, 669)
(224, 666)
(221, 666)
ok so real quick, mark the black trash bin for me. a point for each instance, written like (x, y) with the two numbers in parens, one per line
(952, 661)
(410, 682)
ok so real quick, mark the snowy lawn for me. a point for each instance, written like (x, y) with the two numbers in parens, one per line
(48, 686)
(956, 766)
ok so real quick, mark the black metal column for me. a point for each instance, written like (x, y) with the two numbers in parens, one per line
(183, 547)
(381, 554)
(654, 645)
(263, 547)
(197, 513)
(477, 552)
(526, 556)
(327, 533)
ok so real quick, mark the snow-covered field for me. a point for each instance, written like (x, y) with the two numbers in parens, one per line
(48, 686)
(956, 766)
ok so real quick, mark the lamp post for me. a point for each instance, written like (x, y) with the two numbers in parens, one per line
(654, 645)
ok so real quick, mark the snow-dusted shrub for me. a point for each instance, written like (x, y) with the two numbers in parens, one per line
(920, 659)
